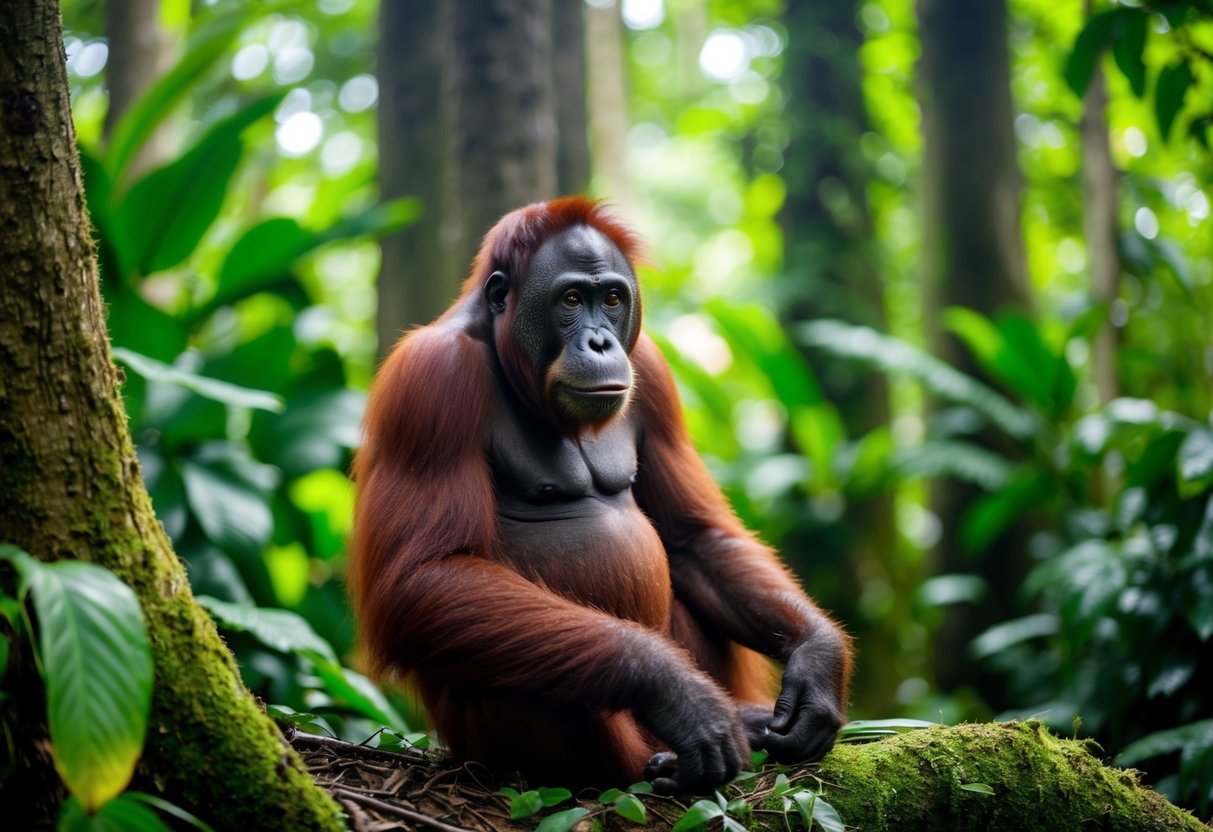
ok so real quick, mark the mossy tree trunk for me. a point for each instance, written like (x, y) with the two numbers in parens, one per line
(69, 477)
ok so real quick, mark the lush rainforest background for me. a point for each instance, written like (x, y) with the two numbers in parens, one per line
(936, 281)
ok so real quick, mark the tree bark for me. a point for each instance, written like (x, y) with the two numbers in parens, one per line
(1099, 204)
(419, 275)
(831, 273)
(569, 83)
(468, 123)
(608, 105)
(500, 82)
(973, 256)
(913, 782)
(139, 52)
(69, 475)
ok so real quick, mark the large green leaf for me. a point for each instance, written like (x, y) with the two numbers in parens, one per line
(1196, 462)
(962, 460)
(1163, 742)
(1174, 79)
(356, 691)
(269, 250)
(1013, 351)
(140, 327)
(757, 336)
(992, 514)
(97, 664)
(122, 814)
(228, 493)
(161, 220)
(208, 388)
(1091, 41)
(315, 431)
(1128, 47)
(893, 355)
(280, 630)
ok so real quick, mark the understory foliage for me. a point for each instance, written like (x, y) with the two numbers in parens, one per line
(238, 275)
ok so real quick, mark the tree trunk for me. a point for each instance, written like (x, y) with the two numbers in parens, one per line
(608, 104)
(831, 273)
(500, 83)
(69, 475)
(914, 782)
(1099, 206)
(418, 277)
(568, 77)
(972, 256)
(467, 123)
(139, 52)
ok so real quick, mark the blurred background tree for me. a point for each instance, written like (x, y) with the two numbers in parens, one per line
(936, 280)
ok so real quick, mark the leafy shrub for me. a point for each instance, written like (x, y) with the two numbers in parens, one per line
(1119, 603)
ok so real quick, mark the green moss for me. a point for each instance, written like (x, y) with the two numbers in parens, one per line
(913, 782)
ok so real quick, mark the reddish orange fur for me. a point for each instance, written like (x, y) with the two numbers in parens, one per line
(432, 589)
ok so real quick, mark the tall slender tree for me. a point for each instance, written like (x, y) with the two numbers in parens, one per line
(140, 50)
(469, 122)
(831, 273)
(973, 256)
(418, 275)
(71, 481)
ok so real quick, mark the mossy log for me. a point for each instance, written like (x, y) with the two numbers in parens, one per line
(912, 782)
(70, 485)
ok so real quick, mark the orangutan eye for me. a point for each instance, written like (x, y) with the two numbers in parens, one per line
(613, 298)
(572, 299)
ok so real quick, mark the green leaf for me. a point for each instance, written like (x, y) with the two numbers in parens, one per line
(1128, 47)
(630, 808)
(992, 514)
(1198, 600)
(826, 816)
(806, 802)
(209, 388)
(315, 431)
(280, 630)
(865, 730)
(1088, 46)
(264, 253)
(122, 814)
(138, 326)
(169, 809)
(961, 460)
(757, 336)
(233, 512)
(1016, 631)
(697, 815)
(526, 804)
(1174, 79)
(166, 213)
(353, 689)
(977, 788)
(97, 664)
(1195, 460)
(1013, 352)
(610, 795)
(267, 252)
(896, 356)
(1163, 742)
(561, 821)
(643, 787)
(552, 797)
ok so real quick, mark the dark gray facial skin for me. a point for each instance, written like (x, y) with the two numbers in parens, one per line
(577, 315)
